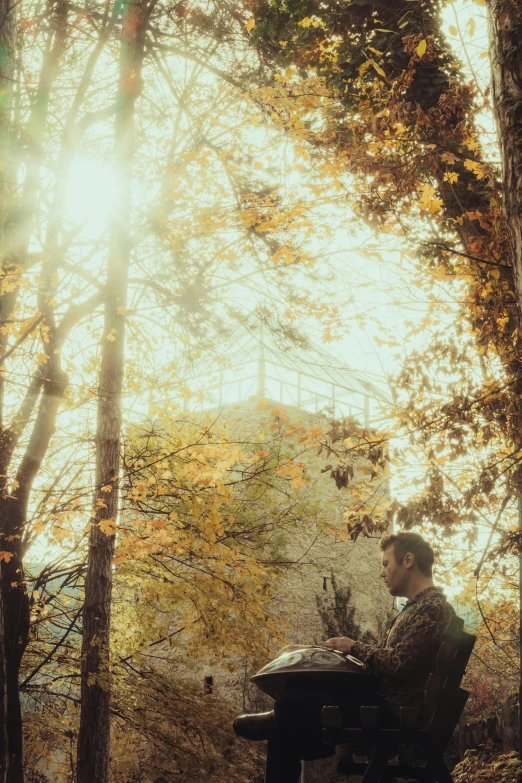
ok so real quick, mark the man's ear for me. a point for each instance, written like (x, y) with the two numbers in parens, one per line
(408, 561)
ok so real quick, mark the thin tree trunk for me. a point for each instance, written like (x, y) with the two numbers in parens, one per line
(505, 40)
(15, 600)
(94, 735)
(7, 83)
(8, 30)
(16, 634)
(45, 391)
(4, 751)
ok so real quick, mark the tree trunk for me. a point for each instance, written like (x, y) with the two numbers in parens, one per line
(16, 627)
(7, 81)
(505, 39)
(4, 754)
(13, 517)
(94, 735)
(8, 31)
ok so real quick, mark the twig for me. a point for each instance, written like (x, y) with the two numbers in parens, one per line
(503, 505)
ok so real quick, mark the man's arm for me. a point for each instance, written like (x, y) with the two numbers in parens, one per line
(424, 629)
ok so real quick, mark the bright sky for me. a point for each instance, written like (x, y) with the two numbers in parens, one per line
(374, 281)
(368, 287)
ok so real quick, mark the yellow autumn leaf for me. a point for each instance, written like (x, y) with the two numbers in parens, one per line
(479, 169)
(453, 30)
(250, 24)
(429, 201)
(6, 556)
(480, 2)
(451, 177)
(42, 358)
(284, 254)
(378, 68)
(108, 526)
(471, 143)
(421, 48)
(111, 337)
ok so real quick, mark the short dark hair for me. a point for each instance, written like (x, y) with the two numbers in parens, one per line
(410, 542)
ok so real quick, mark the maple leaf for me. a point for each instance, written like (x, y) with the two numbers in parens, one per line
(310, 21)
(285, 254)
(428, 200)
(479, 169)
(250, 24)
(108, 526)
(453, 516)
(449, 157)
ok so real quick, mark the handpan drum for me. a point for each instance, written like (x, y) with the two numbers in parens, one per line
(313, 667)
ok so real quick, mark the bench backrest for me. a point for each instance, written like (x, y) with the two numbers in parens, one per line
(444, 698)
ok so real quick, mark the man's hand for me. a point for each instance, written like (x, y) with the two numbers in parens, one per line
(341, 643)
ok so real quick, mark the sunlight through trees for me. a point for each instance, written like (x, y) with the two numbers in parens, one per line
(174, 176)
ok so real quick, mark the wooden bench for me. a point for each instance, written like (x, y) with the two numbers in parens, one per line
(420, 748)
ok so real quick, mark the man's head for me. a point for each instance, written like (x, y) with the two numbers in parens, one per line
(407, 562)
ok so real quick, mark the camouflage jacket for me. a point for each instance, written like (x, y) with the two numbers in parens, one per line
(404, 660)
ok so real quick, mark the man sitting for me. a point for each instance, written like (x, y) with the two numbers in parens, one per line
(402, 662)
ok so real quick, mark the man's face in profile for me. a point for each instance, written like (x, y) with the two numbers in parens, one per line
(395, 576)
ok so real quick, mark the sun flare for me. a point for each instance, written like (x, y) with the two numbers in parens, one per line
(91, 192)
